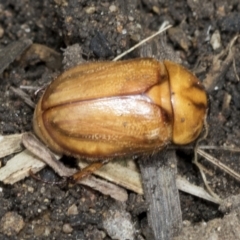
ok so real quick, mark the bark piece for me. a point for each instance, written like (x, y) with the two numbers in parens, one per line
(161, 193)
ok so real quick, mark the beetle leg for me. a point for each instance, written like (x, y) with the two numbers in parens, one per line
(85, 172)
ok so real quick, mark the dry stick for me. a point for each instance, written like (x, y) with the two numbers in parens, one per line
(159, 183)
(34, 88)
(24, 96)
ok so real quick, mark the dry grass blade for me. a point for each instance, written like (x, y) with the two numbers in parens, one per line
(142, 42)
(219, 164)
(187, 187)
(224, 148)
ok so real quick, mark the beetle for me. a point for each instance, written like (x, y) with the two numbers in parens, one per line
(104, 110)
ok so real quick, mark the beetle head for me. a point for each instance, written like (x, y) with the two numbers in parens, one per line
(189, 103)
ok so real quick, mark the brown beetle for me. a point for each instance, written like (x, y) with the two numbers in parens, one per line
(107, 109)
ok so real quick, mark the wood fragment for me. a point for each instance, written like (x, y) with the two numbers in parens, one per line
(10, 144)
(161, 193)
(125, 175)
(17, 168)
(106, 188)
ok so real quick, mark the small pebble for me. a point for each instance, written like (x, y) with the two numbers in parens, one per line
(72, 210)
(67, 228)
(11, 224)
(216, 40)
(112, 8)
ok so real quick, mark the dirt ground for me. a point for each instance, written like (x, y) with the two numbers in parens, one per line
(104, 29)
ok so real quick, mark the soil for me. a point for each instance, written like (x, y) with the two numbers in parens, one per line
(104, 29)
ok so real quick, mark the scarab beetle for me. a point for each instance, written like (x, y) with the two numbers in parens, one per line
(107, 109)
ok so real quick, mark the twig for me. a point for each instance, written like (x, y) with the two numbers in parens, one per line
(222, 148)
(142, 42)
(23, 96)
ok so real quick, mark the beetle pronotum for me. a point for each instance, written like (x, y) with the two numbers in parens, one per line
(103, 110)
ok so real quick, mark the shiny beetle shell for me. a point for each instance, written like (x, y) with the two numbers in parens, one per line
(107, 109)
